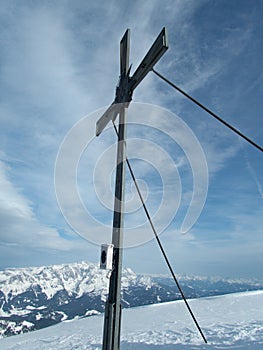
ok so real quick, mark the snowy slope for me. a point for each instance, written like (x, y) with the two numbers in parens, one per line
(232, 321)
(37, 297)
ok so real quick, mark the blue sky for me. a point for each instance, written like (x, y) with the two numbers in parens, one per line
(60, 63)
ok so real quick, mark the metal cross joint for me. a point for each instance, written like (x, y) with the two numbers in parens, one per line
(127, 84)
(123, 90)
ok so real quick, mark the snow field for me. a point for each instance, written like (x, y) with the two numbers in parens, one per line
(233, 321)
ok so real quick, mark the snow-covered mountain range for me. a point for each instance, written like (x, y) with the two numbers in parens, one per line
(37, 297)
(229, 322)
(33, 298)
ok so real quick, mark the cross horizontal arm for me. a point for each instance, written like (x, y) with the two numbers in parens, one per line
(110, 114)
(156, 51)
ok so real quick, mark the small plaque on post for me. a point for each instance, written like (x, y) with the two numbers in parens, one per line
(106, 256)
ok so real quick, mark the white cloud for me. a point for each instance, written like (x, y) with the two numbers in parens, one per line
(19, 226)
(11, 200)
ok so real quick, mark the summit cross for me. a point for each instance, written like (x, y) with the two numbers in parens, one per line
(123, 96)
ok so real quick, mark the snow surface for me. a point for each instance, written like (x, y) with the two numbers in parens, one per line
(233, 321)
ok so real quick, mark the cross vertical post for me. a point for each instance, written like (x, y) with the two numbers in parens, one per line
(112, 317)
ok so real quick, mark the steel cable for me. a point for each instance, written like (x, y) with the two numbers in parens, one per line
(160, 244)
(208, 111)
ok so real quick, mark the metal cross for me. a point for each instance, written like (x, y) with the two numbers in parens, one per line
(123, 96)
